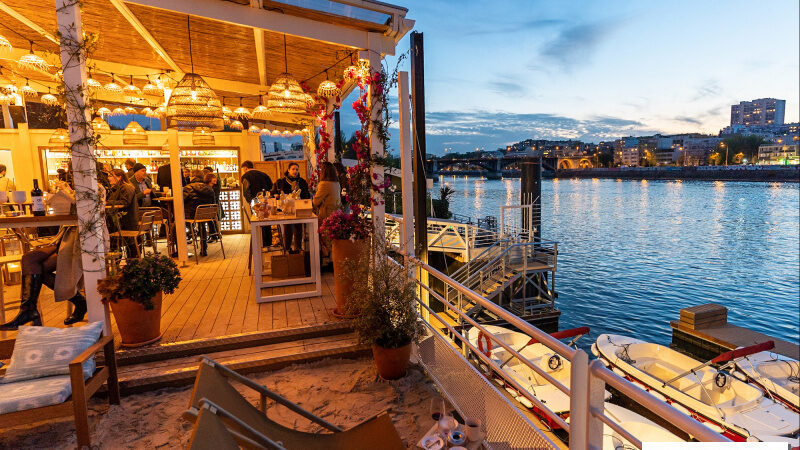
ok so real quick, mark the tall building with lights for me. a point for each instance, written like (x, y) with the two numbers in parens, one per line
(763, 111)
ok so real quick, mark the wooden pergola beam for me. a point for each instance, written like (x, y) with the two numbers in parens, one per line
(145, 34)
(27, 22)
(247, 16)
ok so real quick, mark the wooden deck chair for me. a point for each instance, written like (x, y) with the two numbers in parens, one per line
(212, 384)
(210, 433)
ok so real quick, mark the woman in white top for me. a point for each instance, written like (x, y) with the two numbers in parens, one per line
(6, 185)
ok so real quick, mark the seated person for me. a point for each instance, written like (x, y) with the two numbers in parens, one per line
(143, 185)
(62, 256)
(199, 192)
(123, 195)
(289, 183)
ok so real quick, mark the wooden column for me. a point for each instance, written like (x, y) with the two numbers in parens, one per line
(91, 218)
(337, 136)
(406, 164)
(377, 147)
(177, 195)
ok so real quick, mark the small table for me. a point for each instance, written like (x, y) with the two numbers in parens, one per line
(31, 221)
(258, 261)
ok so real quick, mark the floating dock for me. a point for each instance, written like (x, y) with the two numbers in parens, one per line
(704, 331)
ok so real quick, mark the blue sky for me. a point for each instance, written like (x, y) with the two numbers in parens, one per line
(498, 72)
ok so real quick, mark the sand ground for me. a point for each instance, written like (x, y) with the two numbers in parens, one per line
(343, 392)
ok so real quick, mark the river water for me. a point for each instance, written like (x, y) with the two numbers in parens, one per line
(633, 253)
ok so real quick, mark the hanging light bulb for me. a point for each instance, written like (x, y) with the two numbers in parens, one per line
(103, 111)
(236, 125)
(112, 86)
(131, 90)
(28, 92)
(49, 99)
(32, 61)
(260, 112)
(265, 132)
(276, 132)
(254, 129)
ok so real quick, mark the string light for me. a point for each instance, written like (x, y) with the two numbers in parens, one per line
(117, 112)
(131, 90)
(152, 89)
(28, 92)
(92, 83)
(254, 129)
(130, 110)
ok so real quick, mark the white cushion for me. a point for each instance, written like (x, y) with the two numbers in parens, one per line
(44, 351)
(36, 393)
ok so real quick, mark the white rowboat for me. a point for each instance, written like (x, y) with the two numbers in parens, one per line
(740, 409)
(775, 373)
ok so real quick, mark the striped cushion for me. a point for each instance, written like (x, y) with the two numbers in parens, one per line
(44, 351)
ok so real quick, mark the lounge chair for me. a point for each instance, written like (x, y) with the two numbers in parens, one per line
(211, 433)
(71, 392)
(212, 386)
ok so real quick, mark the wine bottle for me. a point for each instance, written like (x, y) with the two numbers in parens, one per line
(37, 199)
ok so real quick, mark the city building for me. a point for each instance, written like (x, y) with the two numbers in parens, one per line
(647, 150)
(763, 111)
(696, 150)
(630, 151)
(779, 154)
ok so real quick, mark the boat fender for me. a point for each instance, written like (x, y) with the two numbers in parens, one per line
(681, 408)
(485, 344)
(512, 391)
(595, 352)
(657, 395)
(618, 371)
(554, 362)
(525, 402)
(720, 379)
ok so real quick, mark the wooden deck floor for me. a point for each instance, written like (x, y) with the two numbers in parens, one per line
(214, 299)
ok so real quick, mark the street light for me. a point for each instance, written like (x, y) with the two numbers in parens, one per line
(726, 152)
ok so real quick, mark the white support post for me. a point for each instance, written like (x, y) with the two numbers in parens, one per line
(91, 216)
(597, 390)
(377, 148)
(177, 195)
(329, 129)
(406, 163)
(579, 402)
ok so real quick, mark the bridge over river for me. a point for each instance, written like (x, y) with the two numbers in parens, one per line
(493, 166)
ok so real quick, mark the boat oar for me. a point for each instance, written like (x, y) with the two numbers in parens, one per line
(572, 332)
(727, 356)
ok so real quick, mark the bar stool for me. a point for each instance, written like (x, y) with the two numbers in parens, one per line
(145, 228)
(202, 215)
(159, 218)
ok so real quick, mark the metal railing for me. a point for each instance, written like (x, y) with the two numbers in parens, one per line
(587, 381)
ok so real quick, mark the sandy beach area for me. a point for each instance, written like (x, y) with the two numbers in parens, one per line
(343, 392)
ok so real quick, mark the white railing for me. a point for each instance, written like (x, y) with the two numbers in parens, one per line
(587, 381)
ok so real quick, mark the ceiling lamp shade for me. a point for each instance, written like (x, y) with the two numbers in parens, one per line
(28, 92)
(276, 132)
(132, 90)
(194, 104)
(49, 99)
(311, 102)
(59, 137)
(152, 89)
(242, 113)
(226, 120)
(112, 86)
(160, 112)
(32, 61)
(9, 89)
(99, 125)
(260, 112)
(131, 110)
(286, 95)
(6, 99)
(103, 111)
(146, 111)
(254, 129)
(134, 134)
(5, 44)
(328, 89)
(236, 125)
(92, 83)
(202, 136)
(226, 111)
(117, 112)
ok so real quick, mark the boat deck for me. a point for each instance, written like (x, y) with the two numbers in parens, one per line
(729, 337)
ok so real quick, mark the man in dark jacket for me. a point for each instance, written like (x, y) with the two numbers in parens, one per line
(220, 213)
(195, 194)
(123, 195)
(253, 182)
(144, 186)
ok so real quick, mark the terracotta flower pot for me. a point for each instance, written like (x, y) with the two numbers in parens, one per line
(344, 250)
(137, 326)
(391, 362)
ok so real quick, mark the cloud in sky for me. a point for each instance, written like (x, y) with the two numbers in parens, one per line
(574, 45)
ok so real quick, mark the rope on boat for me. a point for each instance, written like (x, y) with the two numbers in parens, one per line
(623, 353)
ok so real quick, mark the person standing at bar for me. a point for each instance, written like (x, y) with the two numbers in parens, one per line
(289, 183)
(129, 163)
(253, 182)
(6, 184)
(199, 192)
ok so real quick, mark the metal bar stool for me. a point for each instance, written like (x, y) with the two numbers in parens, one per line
(202, 215)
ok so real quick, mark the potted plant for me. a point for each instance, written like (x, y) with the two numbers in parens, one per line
(385, 300)
(135, 294)
(349, 234)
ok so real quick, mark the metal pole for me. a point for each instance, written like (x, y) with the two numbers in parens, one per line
(337, 137)
(419, 146)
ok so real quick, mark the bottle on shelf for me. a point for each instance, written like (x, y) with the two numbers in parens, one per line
(37, 198)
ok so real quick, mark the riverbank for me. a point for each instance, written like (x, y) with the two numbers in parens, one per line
(710, 173)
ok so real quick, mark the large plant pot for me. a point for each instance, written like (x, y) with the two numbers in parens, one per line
(392, 363)
(344, 250)
(137, 326)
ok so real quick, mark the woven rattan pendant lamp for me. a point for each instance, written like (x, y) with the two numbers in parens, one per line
(202, 136)
(193, 103)
(134, 134)
(285, 94)
(328, 89)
